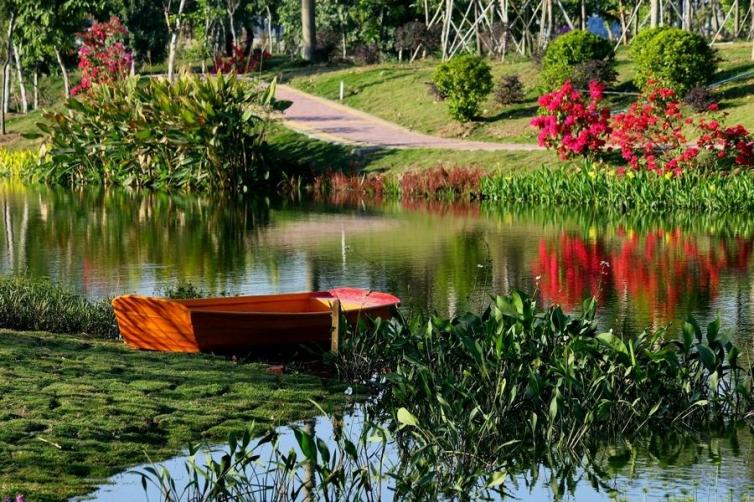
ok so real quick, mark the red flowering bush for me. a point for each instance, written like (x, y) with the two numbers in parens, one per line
(240, 61)
(651, 130)
(103, 56)
(571, 123)
(731, 145)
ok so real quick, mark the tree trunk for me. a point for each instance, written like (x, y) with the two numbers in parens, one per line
(6, 67)
(308, 30)
(751, 6)
(66, 83)
(21, 84)
(232, 23)
(623, 24)
(35, 83)
(583, 15)
(736, 18)
(269, 27)
(654, 13)
(174, 32)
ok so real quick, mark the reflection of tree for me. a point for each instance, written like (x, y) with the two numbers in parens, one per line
(104, 233)
(657, 272)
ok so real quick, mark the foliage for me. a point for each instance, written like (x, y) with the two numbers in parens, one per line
(651, 130)
(570, 50)
(103, 57)
(193, 134)
(16, 164)
(413, 35)
(441, 182)
(606, 188)
(572, 125)
(700, 98)
(240, 61)
(35, 305)
(260, 470)
(642, 39)
(364, 54)
(466, 81)
(594, 70)
(509, 90)
(676, 58)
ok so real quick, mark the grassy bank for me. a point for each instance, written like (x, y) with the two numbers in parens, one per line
(398, 93)
(76, 410)
(292, 149)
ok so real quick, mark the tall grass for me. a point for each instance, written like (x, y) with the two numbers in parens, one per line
(38, 305)
(601, 187)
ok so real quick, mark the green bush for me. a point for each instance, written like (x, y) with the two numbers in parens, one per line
(569, 51)
(642, 39)
(675, 58)
(192, 134)
(465, 81)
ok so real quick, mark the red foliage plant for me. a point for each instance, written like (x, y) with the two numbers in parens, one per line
(240, 61)
(572, 123)
(103, 56)
(439, 180)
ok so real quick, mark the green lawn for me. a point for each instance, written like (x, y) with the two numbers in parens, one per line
(398, 92)
(75, 411)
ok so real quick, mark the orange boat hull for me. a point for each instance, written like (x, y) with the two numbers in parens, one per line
(242, 323)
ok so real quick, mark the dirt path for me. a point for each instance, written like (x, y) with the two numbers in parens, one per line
(330, 121)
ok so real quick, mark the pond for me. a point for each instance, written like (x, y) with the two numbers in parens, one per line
(712, 468)
(647, 271)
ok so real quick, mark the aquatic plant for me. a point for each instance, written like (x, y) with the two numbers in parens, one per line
(466, 401)
(16, 163)
(194, 133)
(599, 186)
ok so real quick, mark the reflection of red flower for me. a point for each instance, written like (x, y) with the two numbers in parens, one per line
(655, 272)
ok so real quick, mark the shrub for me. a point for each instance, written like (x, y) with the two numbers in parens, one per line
(570, 50)
(466, 81)
(439, 182)
(651, 130)
(192, 134)
(594, 70)
(676, 58)
(103, 57)
(571, 124)
(366, 54)
(509, 90)
(700, 99)
(642, 39)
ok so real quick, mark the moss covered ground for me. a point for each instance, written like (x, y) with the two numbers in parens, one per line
(75, 411)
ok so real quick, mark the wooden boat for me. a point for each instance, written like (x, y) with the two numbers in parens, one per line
(241, 323)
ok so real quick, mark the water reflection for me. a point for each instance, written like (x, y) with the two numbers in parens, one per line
(714, 466)
(438, 256)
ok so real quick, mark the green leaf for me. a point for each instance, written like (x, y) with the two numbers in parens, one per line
(406, 419)
(707, 357)
(497, 479)
(612, 341)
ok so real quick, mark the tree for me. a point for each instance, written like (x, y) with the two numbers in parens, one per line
(308, 30)
(173, 23)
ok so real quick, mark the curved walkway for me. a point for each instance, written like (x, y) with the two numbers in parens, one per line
(333, 122)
